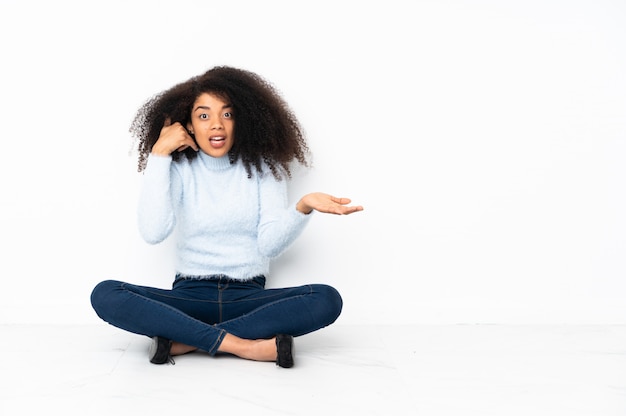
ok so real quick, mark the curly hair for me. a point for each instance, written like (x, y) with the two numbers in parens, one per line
(266, 130)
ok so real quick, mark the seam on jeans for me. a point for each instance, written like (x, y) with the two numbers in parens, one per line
(266, 295)
(217, 342)
(219, 304)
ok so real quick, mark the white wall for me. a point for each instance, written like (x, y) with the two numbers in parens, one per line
(486, 140)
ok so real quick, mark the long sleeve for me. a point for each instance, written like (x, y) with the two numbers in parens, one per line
(156, 218)
(280, 224)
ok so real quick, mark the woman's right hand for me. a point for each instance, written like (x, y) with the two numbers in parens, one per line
(173, 137)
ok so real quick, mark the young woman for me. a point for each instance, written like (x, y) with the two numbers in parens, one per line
(216, 152)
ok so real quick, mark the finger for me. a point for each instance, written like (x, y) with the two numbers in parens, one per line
(193, 144)
(351, 210)
(186, 143)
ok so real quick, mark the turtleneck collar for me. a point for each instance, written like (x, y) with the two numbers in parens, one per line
(214, 163)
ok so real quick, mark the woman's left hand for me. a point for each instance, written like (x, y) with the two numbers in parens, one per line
(325, 203)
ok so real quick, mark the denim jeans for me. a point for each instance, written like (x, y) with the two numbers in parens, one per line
(200, 312)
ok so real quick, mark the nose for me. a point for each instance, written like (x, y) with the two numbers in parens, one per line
(216, 123)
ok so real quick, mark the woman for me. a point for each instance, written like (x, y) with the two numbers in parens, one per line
(216, 153)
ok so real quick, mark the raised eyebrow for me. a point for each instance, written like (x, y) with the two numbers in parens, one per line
(206, 107)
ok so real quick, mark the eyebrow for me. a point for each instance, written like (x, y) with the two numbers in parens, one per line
(206, 107)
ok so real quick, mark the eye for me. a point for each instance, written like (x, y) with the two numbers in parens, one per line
(204, 116)
(228, 115)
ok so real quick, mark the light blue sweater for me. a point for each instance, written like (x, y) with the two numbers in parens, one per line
(226, 223)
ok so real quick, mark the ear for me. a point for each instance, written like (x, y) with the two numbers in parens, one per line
(190, 128)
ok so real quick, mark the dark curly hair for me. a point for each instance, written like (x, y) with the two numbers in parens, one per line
(266, 130)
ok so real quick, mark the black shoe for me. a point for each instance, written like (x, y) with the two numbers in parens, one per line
(285, 351)
(160, 351)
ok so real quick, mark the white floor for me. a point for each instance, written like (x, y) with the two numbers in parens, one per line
(341, 370)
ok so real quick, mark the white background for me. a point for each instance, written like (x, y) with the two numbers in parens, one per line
(485, 139)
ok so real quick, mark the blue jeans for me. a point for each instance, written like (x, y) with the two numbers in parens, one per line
(200, 312)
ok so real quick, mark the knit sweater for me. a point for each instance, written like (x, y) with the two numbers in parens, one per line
(226, 223)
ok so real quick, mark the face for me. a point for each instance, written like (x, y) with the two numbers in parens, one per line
(212, 124)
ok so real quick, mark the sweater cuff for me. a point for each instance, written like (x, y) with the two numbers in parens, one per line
(300, 216)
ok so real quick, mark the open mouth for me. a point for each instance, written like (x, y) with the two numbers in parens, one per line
(217, 142)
